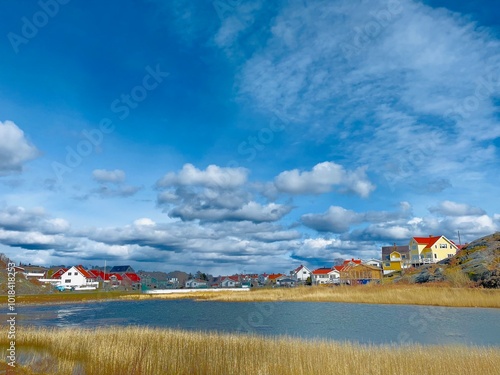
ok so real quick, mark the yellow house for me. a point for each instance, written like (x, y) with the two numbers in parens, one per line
(395, 258)
(426, 250)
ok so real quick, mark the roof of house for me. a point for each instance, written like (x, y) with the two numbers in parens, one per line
(351, 261)
(121, 269)
(84, 272)
(116, 275)
(233, 278)
(298, 268)
(322, 271)
(58, 273)
(387, 250)
(133, 276)
(355, 265)
(427, 241)
(274, 276)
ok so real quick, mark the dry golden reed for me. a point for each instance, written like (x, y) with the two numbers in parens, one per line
(134, 350)
(375, 294)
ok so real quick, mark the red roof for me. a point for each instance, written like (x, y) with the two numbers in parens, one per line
(133, 276)
(322, 271)
(58, 273)
(275, 276)
(118, 276)
(84, 272)
(427, 241)
(298, 268)
(338, 268)
(356, 261)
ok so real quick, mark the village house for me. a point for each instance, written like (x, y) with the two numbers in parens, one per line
(230, 282)
(35, 272)
(58, 273)
(432, 249)
(301, 274)
(286, 281)
(78, 278)
(271, 279)
(359, 273)
(263, 278)
(326, 275)
(196, 284)
(395, 258)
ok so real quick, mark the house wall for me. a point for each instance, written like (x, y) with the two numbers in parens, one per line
(73, 277)
(303, 274)
(360, 272)
(442, 249)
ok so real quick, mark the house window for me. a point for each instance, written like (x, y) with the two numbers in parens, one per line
(435, 256)
(404, 256)
(67, 281)
(387, 264)
(450, 255)
(443, 246)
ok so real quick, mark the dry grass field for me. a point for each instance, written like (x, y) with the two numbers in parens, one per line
(133, 350)
(377, 294)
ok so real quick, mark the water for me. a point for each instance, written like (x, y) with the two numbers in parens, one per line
(363, 323)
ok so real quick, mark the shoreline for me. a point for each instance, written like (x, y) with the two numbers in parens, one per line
(438, 296)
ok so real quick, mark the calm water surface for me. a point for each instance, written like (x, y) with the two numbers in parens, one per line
(334, 321)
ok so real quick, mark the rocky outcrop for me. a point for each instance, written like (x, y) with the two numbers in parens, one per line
(478, 263)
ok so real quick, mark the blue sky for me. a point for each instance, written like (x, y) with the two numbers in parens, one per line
(243, 136)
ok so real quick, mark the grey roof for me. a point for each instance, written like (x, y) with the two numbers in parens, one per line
(121, 269)
(387, 250)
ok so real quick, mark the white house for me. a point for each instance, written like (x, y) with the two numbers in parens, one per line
(230, 282)
(263, 278)
(326, 276)
(78, 277)
(374, 263)
(196, 283)
(301, 273)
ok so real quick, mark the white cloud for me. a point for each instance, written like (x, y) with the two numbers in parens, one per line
(339, 220)
(322, 178)
(251, 211)
(449, 208)
(114, 176)
(213, 176)
(411, 90)
(15, 149)
(335, 220)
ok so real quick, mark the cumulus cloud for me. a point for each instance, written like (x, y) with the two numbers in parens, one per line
(251, 211)
(114, 176)
(20, 219)
(15, 149)
(111, 185)
(449, 208)
(213, 176)
(323, 178)
(214, 194)
(335, 220)
(339, 220)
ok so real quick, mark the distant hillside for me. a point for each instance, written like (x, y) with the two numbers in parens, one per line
(23, 285)
(477, 264)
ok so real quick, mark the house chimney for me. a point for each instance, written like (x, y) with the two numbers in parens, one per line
(430, 235)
